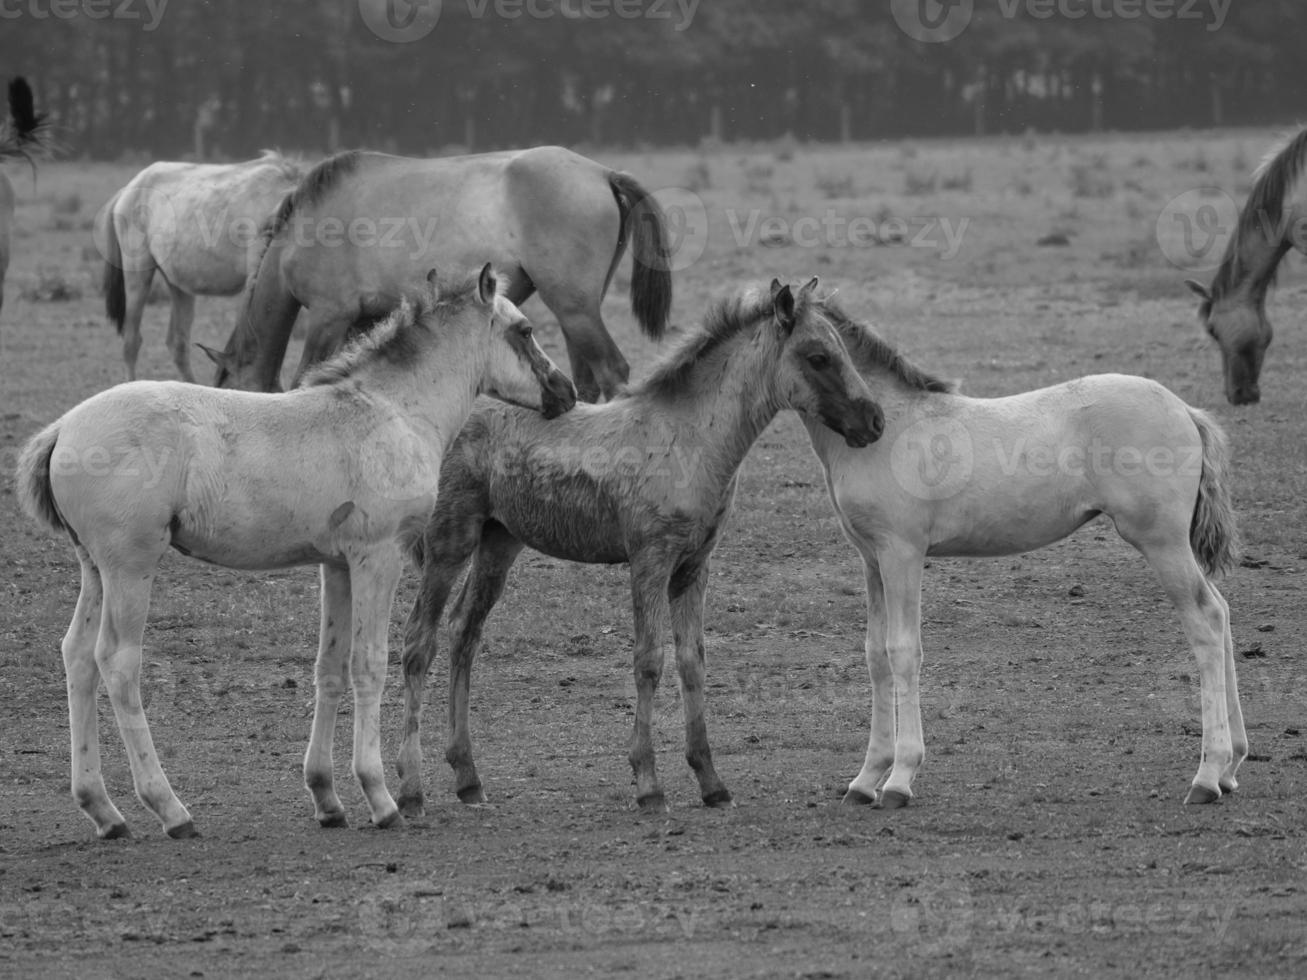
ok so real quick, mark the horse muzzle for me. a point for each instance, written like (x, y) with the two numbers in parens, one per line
(863, 426)
(558, 396)
(1245, 395)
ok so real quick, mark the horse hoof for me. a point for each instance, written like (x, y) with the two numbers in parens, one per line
(395, 819)
(183, 831)
(331, 821)
(1202, 794)
(856, 797)
(653, 803)
(472, 795)
(118, 831)
(719, 798)
(892, 799)
(412, 806)
(1228, 785)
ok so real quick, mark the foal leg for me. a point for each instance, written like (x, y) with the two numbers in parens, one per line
(485, 584)
(901, 580)
(374, 576)
(1203, 614)
(179, 331)
(649, 581)
(687, 631)
(880, 744)
(451, 538)
(329, 685)
(118, 655)
(83, 722)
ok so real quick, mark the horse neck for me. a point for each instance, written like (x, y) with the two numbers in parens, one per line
(267, 317)
(730, 399)
(438, 387)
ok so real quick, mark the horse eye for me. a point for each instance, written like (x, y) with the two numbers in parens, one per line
(525, 330)
(819, 361)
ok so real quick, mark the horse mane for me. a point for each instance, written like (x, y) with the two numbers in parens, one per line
(871, 352)
(313, 187)
(1274, 179)
(395, 339)
(291, 168)
(725, 318)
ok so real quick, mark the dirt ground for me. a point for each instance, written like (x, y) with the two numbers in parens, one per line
(1059, 699)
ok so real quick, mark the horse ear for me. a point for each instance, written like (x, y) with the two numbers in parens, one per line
(433, 287)
(775, 288)
(784, 303)
(809, 286)
(487, 284)
(1197, 287)
(220, 358)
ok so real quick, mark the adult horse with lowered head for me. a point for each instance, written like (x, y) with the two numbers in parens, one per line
(196, 224)
(340, 473)
(360, 225)
(1233, 308)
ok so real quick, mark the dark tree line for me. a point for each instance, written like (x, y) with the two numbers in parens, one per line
(226, 77)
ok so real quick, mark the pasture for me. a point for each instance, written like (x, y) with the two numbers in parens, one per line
(1059, 699)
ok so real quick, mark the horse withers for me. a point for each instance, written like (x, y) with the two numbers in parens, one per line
(648, 478)
(198, 225)
(973, 477)
(361, 225)
(340, 473)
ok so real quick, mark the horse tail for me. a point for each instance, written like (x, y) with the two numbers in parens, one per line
(642, 224)
(1213, 532)
(115, 285)
(35, 494)
(28, 132)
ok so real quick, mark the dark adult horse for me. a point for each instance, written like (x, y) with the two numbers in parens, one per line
(360, 226)
(23, 136)
(1234, 308)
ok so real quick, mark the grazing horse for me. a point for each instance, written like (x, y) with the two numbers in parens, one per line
(198, 225)
(360, 225)
(972, 477)
(25, 135)
(339, 473)
(1233, 309)
(648, 479)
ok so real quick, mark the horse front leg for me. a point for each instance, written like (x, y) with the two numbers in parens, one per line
(329, 685)
(649, 580)
(83, 723)
(687, 630)
(901, 582)
(880, 745)
(373, 579)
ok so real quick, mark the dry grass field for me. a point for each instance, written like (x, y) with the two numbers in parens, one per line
(1059, 698)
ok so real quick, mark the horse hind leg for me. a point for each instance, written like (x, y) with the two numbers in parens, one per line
(83, 678)
(1204, 617)
(484, 586)
(329, 684)
(136, 284)
(598, 367)
(126, 602)
(179, 331)
(1234, 710)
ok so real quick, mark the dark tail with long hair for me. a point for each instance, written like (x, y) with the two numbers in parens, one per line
(27, 134)
(115, 285)
(32, 480)
(644, 227)
(1213, 532)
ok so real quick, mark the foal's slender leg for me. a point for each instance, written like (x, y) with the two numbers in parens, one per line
(1238, 734)
(482, 589)
(687, 630)
(83, 723)
(126, 603)
(901, 580)
(880, 744)
(649, 580)
(1203, 614)
(329, 683)
(373, 579)
(179, 331)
